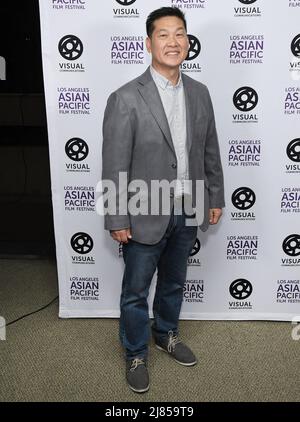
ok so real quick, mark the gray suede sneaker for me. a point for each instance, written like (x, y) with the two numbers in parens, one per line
(179, 351)
(137, 375)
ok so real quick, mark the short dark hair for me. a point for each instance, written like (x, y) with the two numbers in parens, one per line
(161, 13)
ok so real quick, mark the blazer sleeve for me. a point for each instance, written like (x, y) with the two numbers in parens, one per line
(212, 161)
(116, 158)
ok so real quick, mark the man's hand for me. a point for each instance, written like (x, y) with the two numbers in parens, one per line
(121, 235)
(214, 215)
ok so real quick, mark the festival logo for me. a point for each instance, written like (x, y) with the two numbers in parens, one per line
(128, 9)
(84, 288)
(292, 101)
(288, 291)
(295, 62)
(240, 290)
(242, 247)
(77, 151)
(194, 260)
(79, 198)
(291, 248)
(70, 48)
(82, 243)
(243, 199)
(74, 101)
(247, 9)
(61, 5)
(193, 291)
(244, 153)
(293, 154)
(189, 4)
(290, 200)
(246, 49)
(127, 49)
(191, 63)
(245, 99)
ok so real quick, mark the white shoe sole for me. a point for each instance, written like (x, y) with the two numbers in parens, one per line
(139, 391)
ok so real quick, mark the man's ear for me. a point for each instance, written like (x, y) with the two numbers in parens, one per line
(148, 44)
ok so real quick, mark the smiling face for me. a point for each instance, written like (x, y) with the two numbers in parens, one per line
(169, 43)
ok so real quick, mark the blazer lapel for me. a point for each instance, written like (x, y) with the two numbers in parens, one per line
(150, 94)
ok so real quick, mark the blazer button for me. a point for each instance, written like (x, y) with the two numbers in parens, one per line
(174, 166)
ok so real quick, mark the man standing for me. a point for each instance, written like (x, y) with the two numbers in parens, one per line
(160, 126)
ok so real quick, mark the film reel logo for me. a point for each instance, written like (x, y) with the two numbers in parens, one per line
(245, 99)
(240, 289)
(295, 46)
(70, 47)
(247, 1)
(293, 150)
(291, 245)
(195, 48)
(125, 2)
(77, 149)
(82, 243)
(196, 248)
(243, 198)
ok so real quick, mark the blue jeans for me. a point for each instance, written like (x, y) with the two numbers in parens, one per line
(169, 256)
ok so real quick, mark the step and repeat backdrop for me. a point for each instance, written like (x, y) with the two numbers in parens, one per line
(248, 54)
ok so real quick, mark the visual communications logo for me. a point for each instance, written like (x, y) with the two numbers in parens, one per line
(245, 99)
(125, 11)
(191, 64)
(70, 48)
(295, 46)
(293, 153)
(247, 1)
(248, 9)
(193, 260)
(295, 62)
(125, 2)
(240, 289)
(77, 150)
(294, 3)
(82, 243)
(243, 199)
(291, 247)
(293, 150)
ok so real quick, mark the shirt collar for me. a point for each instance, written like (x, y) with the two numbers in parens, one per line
(162, 81)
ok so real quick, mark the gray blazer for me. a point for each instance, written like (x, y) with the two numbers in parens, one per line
(137, 140)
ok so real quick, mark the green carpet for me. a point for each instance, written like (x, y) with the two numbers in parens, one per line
(45, 358)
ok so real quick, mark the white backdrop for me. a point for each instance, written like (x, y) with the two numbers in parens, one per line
(248, 54)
